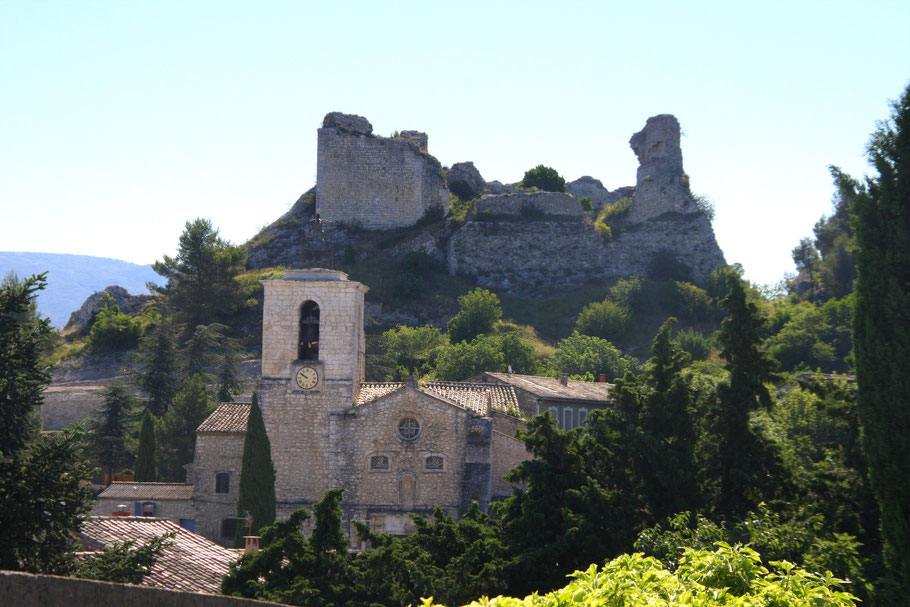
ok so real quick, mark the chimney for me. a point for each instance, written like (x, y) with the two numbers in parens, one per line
(564, 380)
(602, 378)
(251, 543)
(120, 511)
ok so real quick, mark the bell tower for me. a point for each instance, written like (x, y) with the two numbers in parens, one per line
(312, 365)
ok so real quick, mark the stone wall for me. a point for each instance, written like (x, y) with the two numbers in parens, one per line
(375, 182)
(525, 203)
(215, 452)
(28, 590)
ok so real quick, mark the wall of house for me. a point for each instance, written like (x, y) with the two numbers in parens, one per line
(172, 510)
(215, 452)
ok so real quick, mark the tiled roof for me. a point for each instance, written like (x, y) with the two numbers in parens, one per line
(479, 398)
(228, 417)
(191, 564)
(147, 491)
(552, 388)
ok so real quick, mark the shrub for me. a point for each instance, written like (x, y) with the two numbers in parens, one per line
(585, 202)
(604, 319)
(113, 330)
(544, 178)
(695, 343)
(479, 310)
(695, 302)
(579, 354)
(614, 211)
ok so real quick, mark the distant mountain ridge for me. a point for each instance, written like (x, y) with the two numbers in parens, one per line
(72, 278)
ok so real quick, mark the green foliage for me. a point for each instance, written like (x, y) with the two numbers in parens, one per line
(478, 311)
(124, 563)
(586, 204)
(805, 336)
(192, 404)
(706, 206)
(108, 428)
(256, 497)
(145, 468)
(412, 348)
(229, 382)
(460, 209)
(543, 178)
(459, 361)
(695, 343)
(203, 352)
(159, 366)
(612, 212)
(881, 222)
(200, 279)
(579, 354)
(114, 331)
(605, 319)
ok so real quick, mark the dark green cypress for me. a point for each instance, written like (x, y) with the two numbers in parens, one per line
(257, 477)
(881, 212)
(145, 469)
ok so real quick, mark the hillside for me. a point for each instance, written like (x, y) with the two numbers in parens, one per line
(72, 278)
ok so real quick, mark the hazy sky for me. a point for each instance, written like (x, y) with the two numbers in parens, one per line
(120, 121)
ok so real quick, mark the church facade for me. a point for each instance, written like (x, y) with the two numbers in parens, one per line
(397, 448)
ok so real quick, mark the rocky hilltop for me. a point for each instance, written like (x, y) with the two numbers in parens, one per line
(524, 242)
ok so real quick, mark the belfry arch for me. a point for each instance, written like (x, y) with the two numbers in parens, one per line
(308, 341)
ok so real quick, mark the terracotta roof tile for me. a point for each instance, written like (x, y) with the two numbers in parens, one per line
(228, 417)
(552, 388)
(480, 398)
(192, 564)
(147, 491)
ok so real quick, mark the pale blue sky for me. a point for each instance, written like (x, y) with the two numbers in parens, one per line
(122, 120)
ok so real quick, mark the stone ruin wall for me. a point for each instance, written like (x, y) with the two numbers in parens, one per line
(375, 182)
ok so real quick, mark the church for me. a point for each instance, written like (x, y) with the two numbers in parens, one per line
(397, 448)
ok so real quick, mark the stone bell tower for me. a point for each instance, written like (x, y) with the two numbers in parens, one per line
(312, 366)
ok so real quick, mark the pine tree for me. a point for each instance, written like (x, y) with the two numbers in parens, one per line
(201, 352)
(747, 463)
(257, 477)
(160, 374)
(229, 382)
(108, 428)
(190, 408)
(881, 211)
(144, 470)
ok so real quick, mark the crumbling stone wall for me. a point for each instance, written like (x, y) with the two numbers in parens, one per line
(524, 203)
(375, 182)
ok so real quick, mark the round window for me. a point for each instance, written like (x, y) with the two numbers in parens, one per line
(408, 428)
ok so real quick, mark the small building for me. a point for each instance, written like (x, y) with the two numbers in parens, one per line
(171, 501)
(569, 401)
(190, 564)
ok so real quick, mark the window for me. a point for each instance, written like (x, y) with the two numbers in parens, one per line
(222, 482)
(434, 463)
(408, 428)
(148, 508)
(582, 416)
(554, 412)
(379, 462)
(308, 347)
(228, 527)
(407, 489)
(567, 418)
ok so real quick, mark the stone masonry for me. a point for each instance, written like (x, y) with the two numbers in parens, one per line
(375, 182)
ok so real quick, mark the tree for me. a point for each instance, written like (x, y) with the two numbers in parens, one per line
(123, 562)
(747, 464)
(543, 178)
(108, 428)
(256, 496)
(881, 220)
(200, 279)
(113, 330)
(412, 348)
(202, 352)
(229, 382)
(479, 311)
(191, 406)
(605, 319)
(580, 354)
(145, 468)
(159, 375)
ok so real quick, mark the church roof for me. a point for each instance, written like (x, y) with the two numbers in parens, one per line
(229, 417)
(147, 491)
(191, 564)
(479, 398)
(551, 388)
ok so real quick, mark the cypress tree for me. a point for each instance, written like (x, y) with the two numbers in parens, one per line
(257, 477)
(881, 214)
(145, 469)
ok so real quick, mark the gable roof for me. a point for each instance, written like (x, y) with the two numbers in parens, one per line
(476, 397)
(551, 388)
(228, 417)
(147, 491)
(191, 564)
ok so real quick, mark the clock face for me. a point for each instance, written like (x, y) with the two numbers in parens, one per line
(307, 377)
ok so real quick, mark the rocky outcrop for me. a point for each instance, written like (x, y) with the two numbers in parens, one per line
(595, 190)
(464, 180)
(415, 138)
(348, 123)
(661, 184)
(81, 319)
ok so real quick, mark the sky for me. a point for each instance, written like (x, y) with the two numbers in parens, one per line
(120, 121)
